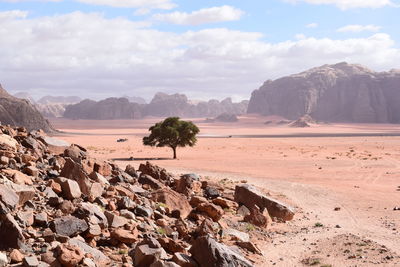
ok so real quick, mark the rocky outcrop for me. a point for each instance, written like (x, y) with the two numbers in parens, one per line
(52, 217)
(332, 93)
(20, 112)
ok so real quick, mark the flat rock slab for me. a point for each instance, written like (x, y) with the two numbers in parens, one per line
(249, 196)
(208, 252)
(69, 226)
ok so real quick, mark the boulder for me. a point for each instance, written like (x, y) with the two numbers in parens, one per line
(173, 200)
(145, 255)
(115, 221)
(8, 143)
(250, 196)
(69, 255)
(208, 252)
(213, 211)
(91, 212)
(70, 188)
(153, 183)
(125, 236)
(16, 256)
(18, 177)
(10, 233)
(30, 261)
(24, 192)
(258, 217)
(183, 260)
(68, 226)
(98, 257)
(8, 197)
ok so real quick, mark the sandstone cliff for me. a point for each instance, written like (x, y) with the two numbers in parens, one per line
(108, 109)
(20, 112)
(333, 93)
(162, 105)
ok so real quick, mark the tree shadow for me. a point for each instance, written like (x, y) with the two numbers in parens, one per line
(140, 159)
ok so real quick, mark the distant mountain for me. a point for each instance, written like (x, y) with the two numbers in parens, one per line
(332, 93)
(162, 105)
(108, 109)
(135, 99)
(20, 112)
(59, 100)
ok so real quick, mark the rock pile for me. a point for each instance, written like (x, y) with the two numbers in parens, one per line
(59, 207)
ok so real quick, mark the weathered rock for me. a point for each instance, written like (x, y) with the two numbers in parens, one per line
(31, 261)
(208, 252)
(125, 236)
(41, 219)
(8, 142)
(155, 172)
(31, 171)
(18, 177)
(68, 226)
(249, 196)
(92, 212)
(213, 211)
(183, 260)
(236, 235)
(143, 211)
(99, 178)
(115, 221)
(8, 197)
(70, 188)
(16, 256)
(131, 170)
(74, 171)
(103, 168)
(211, 192)
(69, 255)
(153, 183)
(224, 203)
(145, 255)
(257, 217)
(98, 257)
(25, 193)
(249, 246)
(173, 200)
(243, 210)
(10, 233)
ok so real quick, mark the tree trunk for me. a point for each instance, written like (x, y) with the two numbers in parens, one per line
(174, 149)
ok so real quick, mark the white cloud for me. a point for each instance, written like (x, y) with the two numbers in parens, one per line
(348, 4)
(13, 14)
(312, 25)
(161, 4)
(202, 16)
(148, 4)
(300, 36)
(87, 54)
(359, 28)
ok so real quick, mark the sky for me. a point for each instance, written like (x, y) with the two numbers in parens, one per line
(204, 49)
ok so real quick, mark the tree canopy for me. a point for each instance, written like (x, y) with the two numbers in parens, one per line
(172, 132)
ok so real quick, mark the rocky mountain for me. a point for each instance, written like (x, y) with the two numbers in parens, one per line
(59, 100)
(334, 93)
(162, 105)
(108, 109)
(20, 112)
(25, 95)
(135, 99)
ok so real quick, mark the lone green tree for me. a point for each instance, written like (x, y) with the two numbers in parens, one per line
(172, 132)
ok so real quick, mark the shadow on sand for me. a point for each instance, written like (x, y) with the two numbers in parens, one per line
(140, 159)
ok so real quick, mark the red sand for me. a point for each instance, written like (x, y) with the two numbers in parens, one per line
(358, 174)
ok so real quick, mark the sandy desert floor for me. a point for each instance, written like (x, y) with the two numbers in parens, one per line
(357, 175)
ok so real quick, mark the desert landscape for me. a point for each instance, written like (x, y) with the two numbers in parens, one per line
(348, 184)
(173, 133)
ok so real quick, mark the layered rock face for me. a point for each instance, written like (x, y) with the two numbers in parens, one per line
(108, 109)
(20, 112)
(332, 93)
(162, 105)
